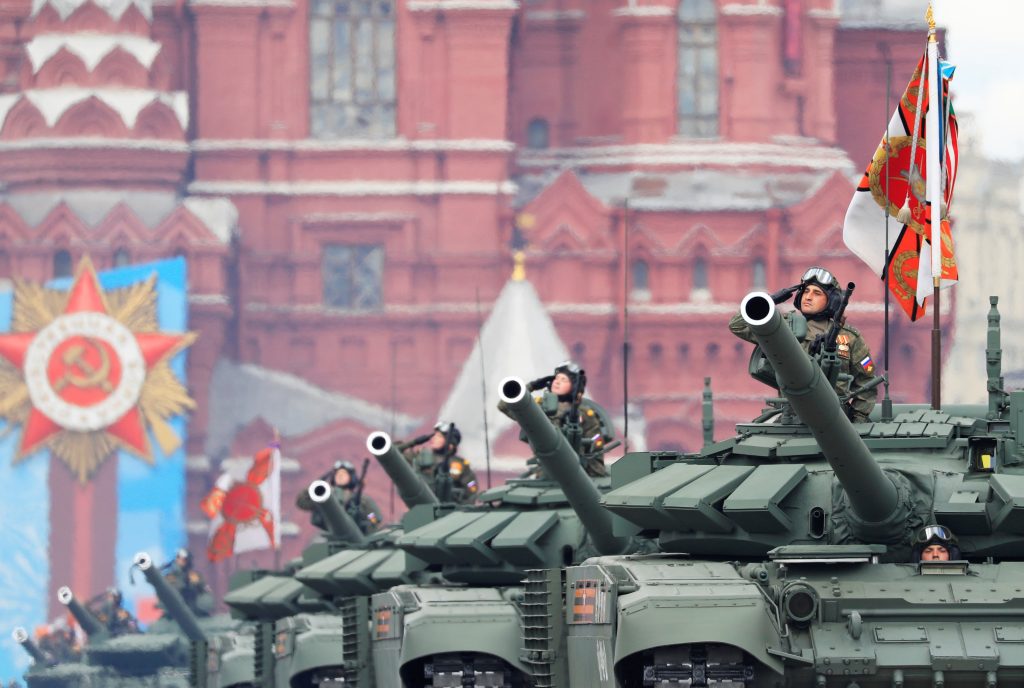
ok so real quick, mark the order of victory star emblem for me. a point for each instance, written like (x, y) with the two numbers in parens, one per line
(86, 372)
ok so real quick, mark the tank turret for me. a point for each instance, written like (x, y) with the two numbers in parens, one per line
(21, 637)
(872, 495)
(411, 488)
(328, 502)
(86, 619)
(170, 598)
(560, 462)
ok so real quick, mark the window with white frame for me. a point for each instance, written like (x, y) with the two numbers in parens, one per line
(697, 78)
(352, 276)
(352, 68)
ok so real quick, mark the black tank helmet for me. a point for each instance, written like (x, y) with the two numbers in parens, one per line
(353, 477)
(450, 432)
(577, 375)
(936, 535)
(828, 282)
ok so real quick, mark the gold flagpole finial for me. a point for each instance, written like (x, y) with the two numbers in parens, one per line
(930, 18)
(519, 266)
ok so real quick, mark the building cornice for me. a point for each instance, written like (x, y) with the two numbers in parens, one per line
(461, 5)
(744, 10)
(354, 188)
(369, 145)
(555, 308)
(644, 11)
(704, 153)
(94, 143)
(555, 15)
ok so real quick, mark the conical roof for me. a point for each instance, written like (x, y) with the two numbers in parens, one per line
(519, 339)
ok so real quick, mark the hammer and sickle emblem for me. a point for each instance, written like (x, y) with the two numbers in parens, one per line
(78, 372)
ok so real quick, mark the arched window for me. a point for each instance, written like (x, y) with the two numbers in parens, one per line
(578, 351)
(700, 292)
(62, 263)
(654, 351)
(700, 274)
(683, 352)
(712, 351)
(759, 277)
(538, 134)
(121, 258)
(352, 68)
(641, 280)
(697, 80)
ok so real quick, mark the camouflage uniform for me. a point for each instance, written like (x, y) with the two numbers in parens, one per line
(190, 585)
(60, 644)
(593, 432)
(367, 517)
(464, 482)
(854, 359)
(115, 618)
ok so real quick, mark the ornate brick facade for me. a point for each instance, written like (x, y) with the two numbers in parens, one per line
(133, 129)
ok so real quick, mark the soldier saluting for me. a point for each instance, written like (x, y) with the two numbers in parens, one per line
(436, 457)
(563, 402)
(819, 298)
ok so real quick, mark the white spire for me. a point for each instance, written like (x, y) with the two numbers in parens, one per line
(518, 339)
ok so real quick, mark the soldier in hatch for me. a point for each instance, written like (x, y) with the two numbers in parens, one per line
(818, 297)
(189, 583)
(114, 617)
(562, 392)
(437, 455)
(935, 543)
(343, 475)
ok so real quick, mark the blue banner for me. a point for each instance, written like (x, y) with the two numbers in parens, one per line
(151, 498)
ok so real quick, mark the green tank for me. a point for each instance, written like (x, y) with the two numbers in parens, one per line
(467, 631)
(166, 655)
(786, 551)
(311, 620)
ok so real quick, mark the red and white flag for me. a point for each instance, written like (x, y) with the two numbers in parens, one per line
(897, 181)
(244, 506)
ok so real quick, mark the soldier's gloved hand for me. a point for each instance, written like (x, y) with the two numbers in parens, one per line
(783, 294)
(540, 383)
(422, 438)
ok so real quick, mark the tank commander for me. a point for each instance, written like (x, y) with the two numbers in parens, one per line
(935, 543)
(362, 508)
(818, 298)
(58, 641)
(189, 583)
(108, 609)
(430, 454)
(562, 392)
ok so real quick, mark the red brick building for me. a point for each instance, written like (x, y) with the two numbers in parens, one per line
(346, 178)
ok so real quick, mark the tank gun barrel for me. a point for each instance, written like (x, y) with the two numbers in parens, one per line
(21, 637)
(86, 619)
(560, 462)
(411, 488)
(871, 494)
(339, 522)
(170, 598)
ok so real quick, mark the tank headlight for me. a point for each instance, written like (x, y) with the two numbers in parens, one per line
(800, 603)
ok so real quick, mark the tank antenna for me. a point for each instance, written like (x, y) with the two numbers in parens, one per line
(483, 381)
(625, 323)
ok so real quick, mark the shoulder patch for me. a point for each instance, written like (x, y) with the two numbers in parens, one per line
(852, 330)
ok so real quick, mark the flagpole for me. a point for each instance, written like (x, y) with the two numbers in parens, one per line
(886, 400)
(933, 180)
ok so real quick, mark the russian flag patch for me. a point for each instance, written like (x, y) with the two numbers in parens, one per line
(867, 364)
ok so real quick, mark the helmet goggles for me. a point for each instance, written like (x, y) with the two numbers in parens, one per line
(935, 533)
(821, 276)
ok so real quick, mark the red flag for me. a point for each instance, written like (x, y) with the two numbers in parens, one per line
(244, 506)
(895, 180)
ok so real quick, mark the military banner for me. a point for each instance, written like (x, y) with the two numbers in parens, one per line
(93, 412)
(895, 180)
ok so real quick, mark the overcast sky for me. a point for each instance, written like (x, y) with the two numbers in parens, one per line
(983, 41)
